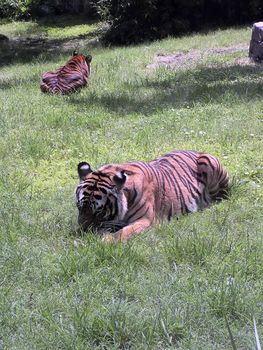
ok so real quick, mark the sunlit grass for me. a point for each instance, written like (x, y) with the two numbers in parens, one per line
(52, 28)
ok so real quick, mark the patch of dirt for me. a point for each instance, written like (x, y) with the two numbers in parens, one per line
(186, 58)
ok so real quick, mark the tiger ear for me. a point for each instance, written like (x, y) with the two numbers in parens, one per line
(75, 53)
(88, 58)
(83, 170)
(119, 179)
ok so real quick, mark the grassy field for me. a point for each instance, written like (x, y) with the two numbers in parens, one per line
(195, 283)
(62, 27)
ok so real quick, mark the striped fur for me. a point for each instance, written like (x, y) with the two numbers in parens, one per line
(69, 78)
(129, 198)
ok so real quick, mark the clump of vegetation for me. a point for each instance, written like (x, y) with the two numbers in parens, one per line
(38, 8)
(16, 8)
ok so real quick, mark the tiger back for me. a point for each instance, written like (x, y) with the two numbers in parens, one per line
(71, 77)
(131, 197)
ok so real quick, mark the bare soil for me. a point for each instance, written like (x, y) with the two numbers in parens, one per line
(186, 58)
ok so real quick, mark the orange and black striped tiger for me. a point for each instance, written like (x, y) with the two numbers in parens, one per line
(71, 77)
(129, 198)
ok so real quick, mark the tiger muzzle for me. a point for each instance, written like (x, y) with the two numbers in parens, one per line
(87, 220)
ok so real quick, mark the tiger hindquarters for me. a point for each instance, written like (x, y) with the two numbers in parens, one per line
(215, 176)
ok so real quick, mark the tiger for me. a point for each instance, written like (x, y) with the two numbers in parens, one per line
(71, 77)
(123, 200)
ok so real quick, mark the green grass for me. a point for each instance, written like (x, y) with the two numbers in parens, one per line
(62, 27)
(181, 284)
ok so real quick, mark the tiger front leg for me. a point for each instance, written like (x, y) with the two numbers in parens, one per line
(129, 231)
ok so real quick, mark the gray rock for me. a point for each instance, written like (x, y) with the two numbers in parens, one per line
(256, 42)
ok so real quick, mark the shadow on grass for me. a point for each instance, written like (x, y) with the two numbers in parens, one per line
(180, 89)
(30, 49)
(33, 42)
(64, 20)
(14, 82)
(176, 89)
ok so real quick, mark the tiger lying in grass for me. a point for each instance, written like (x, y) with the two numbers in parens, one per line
(129, 198)
(71, 77)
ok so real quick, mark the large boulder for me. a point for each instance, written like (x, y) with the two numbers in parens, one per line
(256, 43)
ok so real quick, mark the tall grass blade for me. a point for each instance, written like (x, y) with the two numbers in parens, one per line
(230, 335)
(258, 346)
(169, 338)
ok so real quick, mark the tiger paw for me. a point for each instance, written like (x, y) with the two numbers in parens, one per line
(108, 238)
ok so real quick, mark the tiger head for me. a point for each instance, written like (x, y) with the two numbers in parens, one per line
(87, 58)
(100, 197)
